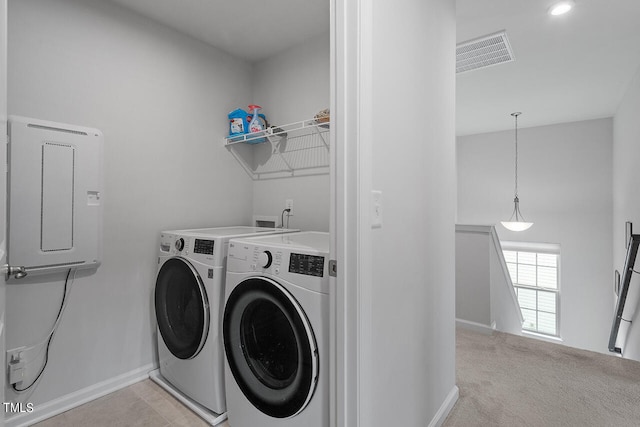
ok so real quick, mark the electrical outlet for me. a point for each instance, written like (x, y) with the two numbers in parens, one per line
(16, 362)
(15, 354)
(288, 204)
(16, 372)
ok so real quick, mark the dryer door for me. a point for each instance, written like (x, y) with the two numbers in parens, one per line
(182, 308)
(270, 347)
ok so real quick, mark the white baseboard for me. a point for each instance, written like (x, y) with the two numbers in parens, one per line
(77, 398)
(474, 326)
(445, 408)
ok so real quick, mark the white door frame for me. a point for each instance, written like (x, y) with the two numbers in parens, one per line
(351, 166)
(3, 182)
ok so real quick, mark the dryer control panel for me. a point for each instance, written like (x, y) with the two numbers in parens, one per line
(311, 265)
(265, 259)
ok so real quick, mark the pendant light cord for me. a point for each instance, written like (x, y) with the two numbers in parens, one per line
(516, 117)
(516, 222)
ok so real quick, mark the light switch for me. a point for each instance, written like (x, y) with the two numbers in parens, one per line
(93, 198)
(376, 209)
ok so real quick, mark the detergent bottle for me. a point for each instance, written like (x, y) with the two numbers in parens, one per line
(255, 125)
(238, 122)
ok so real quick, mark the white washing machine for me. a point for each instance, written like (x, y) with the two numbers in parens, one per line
(276, 331)
(189, 300)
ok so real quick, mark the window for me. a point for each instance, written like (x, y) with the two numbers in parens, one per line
(536, 281)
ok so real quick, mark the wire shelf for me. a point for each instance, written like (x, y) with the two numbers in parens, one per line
(295, 149)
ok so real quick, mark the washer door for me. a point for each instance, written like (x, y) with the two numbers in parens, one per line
(270, 347)
(182, 308)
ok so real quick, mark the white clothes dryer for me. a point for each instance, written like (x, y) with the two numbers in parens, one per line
(189, 298)
(276, 331)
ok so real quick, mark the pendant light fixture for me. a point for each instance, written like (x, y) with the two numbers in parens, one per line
(516, 222)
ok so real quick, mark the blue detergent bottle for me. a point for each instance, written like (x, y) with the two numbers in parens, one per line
(238, 124)
(255, 125)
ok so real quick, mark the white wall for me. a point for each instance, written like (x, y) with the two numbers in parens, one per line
(564, 180)
(473, 277)
(412, 322)
(160, 98)
(626, 205)
(294, 86)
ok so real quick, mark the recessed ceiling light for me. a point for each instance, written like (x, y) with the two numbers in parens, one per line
(562, 7)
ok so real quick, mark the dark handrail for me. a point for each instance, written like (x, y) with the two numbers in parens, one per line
(632, 251)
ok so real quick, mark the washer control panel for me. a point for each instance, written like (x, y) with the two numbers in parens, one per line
(180, 245)
(172, 244)
(203, 246)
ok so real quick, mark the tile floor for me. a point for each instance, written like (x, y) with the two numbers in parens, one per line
(141, 404)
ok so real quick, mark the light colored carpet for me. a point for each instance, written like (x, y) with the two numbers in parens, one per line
(143, 404)
(507, 380)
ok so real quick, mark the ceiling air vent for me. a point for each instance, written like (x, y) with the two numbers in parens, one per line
(483, 52)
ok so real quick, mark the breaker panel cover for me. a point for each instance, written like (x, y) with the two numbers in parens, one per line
(55, 196)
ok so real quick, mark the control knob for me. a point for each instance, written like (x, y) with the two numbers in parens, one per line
(179, 244)
(265, 259)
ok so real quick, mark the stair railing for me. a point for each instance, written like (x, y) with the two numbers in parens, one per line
(632, 251)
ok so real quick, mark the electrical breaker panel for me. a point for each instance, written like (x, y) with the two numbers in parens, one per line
(55, 196)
